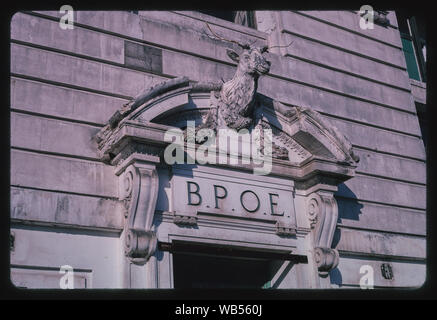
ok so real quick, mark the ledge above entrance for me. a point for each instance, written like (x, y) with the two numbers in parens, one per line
(309, 146)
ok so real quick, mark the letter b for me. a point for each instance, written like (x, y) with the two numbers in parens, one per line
(234, 309)
(199, 197)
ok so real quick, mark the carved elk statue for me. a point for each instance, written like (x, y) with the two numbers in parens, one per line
(237, 97)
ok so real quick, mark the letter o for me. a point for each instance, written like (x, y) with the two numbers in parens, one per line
(241, 201)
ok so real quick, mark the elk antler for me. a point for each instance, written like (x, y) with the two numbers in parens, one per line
(266, 49)
(244, 46)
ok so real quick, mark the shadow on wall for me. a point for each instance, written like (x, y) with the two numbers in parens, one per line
(348, 209)
(348, 206)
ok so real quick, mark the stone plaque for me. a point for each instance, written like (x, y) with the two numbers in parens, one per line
(231, 193)
(142, 57)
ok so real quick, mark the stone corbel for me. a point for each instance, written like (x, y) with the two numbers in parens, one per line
(323, 214)
(185, 220)
(139, 190)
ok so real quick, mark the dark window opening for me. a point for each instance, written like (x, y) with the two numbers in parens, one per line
(244, 18)
(412, 30)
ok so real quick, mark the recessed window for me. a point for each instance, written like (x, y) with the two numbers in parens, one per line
(244, 18)
(412, 30)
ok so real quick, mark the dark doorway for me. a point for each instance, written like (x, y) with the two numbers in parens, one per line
(206, 271)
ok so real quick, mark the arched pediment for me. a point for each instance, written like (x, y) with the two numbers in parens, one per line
(301, 130)
(299, 133)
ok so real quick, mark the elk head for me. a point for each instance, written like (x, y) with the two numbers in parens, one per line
(251, 61)
(237, 96)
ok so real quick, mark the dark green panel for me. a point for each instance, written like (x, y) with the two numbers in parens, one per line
(410, 59)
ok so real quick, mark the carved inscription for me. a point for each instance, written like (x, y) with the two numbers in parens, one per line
(234, 197)
(249, 200)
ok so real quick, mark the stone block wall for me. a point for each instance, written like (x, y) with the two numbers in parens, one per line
(65, 84)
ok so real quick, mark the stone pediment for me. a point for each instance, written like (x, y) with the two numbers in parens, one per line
(307, 144)
(300, 148)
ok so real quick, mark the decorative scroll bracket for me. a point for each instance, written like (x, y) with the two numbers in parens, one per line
(323, 214)
(139, 184)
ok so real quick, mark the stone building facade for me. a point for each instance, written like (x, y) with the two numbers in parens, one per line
(90, 190)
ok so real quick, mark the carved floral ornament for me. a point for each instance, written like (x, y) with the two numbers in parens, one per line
(305, 147)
